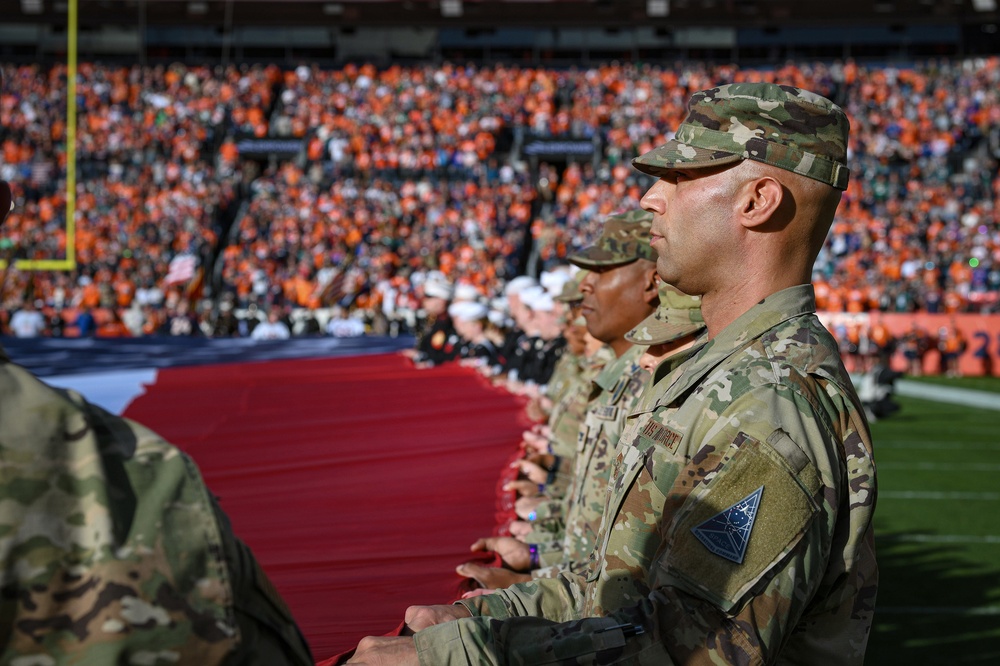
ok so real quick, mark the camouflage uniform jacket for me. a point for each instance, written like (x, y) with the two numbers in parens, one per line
(113, 550)
(564, 422)
(568, 368)
(616, 391)
(695, 564)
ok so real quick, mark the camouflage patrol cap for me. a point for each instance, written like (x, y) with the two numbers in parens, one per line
(678, 316)
(783, 126)
(624, 239)
(571, 290)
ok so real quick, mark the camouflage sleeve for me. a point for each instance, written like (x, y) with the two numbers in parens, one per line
(559, 599)
(700, 607)
(549, 554)
(484, 641)
(552, 529)
(671, 626)
(539, 603)
(560, 485)
(552, 509)
(113, 550)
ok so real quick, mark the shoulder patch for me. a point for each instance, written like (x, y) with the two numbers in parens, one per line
(727, 533)
(605, 412)
(720, 513)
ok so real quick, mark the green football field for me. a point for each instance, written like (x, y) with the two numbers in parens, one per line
(938, 536)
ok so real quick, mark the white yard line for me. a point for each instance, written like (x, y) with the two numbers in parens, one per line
(942, 538)
(933, 495)
(957, 396)
(939, 610)
(941, 467)
(935, 446)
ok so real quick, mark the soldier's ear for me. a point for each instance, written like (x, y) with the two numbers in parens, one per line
(759, 200)
(651, 288)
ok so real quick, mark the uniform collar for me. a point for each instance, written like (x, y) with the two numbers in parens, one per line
(751, 325)
(614, 372)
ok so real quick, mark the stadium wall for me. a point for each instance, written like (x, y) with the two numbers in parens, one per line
(981, 333)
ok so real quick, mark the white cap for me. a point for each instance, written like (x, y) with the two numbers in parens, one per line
(540, 301)
(438, 287)
(467, 311)
(519, 284)
(553, 281)
(466, 292)
(528, 294)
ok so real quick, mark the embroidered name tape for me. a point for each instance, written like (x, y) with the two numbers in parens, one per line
(727, 533)
(661, 434)
(605, 412)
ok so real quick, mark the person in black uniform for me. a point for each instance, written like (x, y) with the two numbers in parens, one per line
(547, 344)
(439, 342)
(471, 323)
(508, 356)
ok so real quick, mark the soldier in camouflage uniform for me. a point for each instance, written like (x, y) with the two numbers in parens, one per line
(738, 524)
(619, 293)
(573, 359)
(673, 327)
(114, 551)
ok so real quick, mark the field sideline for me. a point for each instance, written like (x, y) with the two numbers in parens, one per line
(938, 535)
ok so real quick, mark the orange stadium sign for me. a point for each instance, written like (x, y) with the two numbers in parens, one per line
(973, 338)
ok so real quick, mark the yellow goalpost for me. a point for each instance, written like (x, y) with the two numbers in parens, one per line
(69, 263)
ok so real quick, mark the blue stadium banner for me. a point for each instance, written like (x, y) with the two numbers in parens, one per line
(559, 147)
(267, 147)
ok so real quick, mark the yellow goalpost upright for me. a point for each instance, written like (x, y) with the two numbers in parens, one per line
(69, 263)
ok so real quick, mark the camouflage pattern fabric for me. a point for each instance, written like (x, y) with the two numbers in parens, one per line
(624, 239)
(571, 290)
(565, 421)
(568, 413)
(567, 370)
(114, 551)
(616, 391)
(759, 429)
(678, 316)
(786, 127)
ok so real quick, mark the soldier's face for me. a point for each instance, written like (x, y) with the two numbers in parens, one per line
(434, 305)
(652, 357)
(576, 338)
(613, 300)
(691, 209)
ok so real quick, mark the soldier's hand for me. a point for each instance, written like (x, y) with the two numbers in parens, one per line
(534, 443)
(421, 617)
(529, 469)
(523, 488)
(491, 578)
(542, 429)
(525, 506)
(534, 411)
(386, 651)
(545, 460)
(514, 554)
(519, 529)
(476, 593)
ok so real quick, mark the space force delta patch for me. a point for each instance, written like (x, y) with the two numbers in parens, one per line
(727, 533)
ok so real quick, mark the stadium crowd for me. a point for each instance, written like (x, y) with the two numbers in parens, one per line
(412, 169)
